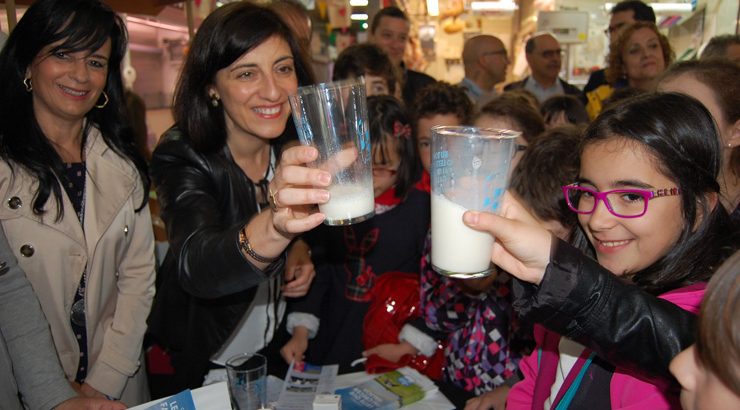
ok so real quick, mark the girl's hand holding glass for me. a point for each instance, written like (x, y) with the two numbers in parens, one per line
(522, 245)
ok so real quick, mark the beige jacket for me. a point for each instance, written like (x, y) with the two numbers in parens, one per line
(117, 246)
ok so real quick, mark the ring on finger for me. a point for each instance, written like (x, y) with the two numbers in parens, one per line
(271, 198)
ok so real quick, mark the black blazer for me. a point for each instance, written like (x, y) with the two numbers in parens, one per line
(205, 284)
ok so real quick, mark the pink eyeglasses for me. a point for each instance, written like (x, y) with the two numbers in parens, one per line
(623, 203)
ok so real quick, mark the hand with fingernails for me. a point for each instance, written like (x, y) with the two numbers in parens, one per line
(522, 245)
(299, 270)
(294, 193)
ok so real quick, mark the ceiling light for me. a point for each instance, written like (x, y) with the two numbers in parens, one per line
(358, 3)
(433, 7)
(507, 5)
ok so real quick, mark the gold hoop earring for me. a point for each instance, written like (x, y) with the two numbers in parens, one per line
(27, 83)
(105, 96)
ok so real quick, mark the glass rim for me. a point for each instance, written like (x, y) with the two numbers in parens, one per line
(480, 132)
(329, 85)
(229, 363)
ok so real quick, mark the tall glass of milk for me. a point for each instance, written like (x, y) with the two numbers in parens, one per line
(332, 117)
(470, 170)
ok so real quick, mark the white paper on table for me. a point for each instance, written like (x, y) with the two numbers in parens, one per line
(302, 385)
(212, 397)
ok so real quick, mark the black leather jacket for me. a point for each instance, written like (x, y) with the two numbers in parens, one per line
(583, 301)
(205, 284)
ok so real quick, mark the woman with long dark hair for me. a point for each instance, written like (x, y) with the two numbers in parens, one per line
(75, 191)
(231, 208)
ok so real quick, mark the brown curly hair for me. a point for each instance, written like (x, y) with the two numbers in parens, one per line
(440, 98)
(616, 70)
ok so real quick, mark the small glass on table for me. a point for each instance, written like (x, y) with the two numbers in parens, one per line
(247, 375)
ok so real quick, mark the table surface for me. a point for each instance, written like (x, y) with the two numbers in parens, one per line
(216, 396)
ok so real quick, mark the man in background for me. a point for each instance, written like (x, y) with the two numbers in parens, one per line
(545, 59)
(389, 30)
(622, 15)
(485, 60)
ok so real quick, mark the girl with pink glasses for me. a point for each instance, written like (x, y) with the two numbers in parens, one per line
(648, 209)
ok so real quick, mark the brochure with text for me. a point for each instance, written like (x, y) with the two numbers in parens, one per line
(303, 382)
(387, 391)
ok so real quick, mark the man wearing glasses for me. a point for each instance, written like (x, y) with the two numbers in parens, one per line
(545, 59)
(485, 60)
(622, 15)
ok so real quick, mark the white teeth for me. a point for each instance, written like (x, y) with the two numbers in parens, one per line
(268, 111)
(73, 92)
(613, 244)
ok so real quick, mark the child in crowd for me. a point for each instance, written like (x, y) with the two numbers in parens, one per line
(438, 103)
(716, 84)
(370, 62)
(484, 340)
(653, 163)
(563, 110)
(349, 259)
(709, 371)
(512, 112)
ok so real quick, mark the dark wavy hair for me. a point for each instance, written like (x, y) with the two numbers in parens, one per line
(516, 108)
(390, 11)
(76, 25)
(572, 107)
(225, 35)
(384, 112)
(640, 10)
(681, 136)
(360, 59)
(441, 98)
(548, 164)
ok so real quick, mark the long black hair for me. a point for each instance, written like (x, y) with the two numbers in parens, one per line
(225, 35)
(680, 133)
(387, 119)
(73, 25)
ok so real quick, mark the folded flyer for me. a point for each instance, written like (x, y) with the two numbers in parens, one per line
(387, 391)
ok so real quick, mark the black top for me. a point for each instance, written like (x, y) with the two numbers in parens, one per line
(74, 186)
(205, 284)
(595, 80)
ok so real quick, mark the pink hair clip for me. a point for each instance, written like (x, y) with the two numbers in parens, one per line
(400, 130)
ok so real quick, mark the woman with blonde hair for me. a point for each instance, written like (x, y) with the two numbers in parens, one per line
(636, 60)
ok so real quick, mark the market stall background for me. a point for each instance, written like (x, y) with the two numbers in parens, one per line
(160, 31)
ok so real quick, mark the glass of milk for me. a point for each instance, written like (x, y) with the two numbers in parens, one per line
(470, 170)
(332, 117)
